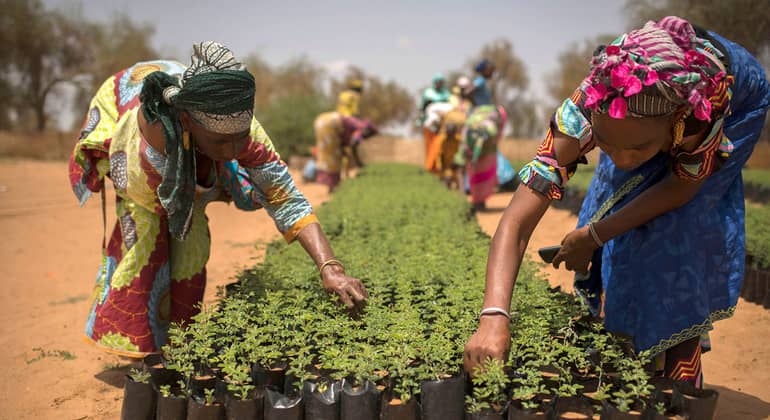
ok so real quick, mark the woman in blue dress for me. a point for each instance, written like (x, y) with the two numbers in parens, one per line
(676, 112)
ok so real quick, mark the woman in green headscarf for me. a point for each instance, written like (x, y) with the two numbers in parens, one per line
(173, 139)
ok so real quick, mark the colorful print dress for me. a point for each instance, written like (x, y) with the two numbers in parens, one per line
(478, 150)
(667, 281)
(441, 158)
(148, 279)
(333, 132)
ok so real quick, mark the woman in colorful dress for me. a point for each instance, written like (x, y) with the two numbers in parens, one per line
(479, 92)
(437, 93)
(173, 139)
(458, 98)
(676, 111)
(432, 125)
(478, 151)
(334, 133)
(449, 143)
(483, 130)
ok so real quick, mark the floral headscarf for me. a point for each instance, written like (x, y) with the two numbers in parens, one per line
(654, 70)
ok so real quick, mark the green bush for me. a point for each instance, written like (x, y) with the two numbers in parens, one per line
(759, 177)
(758, 235)
(582, 178)
(288, 121)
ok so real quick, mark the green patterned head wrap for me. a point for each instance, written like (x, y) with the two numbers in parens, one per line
(218, 93)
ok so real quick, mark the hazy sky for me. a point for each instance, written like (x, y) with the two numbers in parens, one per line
(403, 40)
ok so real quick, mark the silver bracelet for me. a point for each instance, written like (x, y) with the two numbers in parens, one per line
(594, 235)
(493, 310)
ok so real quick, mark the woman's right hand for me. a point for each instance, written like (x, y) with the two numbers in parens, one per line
(491, 340)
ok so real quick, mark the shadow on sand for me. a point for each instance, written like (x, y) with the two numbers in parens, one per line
(738, 405)
(115, 376)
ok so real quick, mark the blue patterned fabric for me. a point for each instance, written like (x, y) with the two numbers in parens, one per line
(160, 291)
(103, 277)
(505, 171)
(278, 194)
(270, 186)
(668, 280)
(131, 83)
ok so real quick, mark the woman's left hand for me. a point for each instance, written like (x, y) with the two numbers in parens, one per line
(577, 249)
(349, 289)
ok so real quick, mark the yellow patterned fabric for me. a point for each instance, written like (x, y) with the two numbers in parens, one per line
(149, 279)
(328, 136)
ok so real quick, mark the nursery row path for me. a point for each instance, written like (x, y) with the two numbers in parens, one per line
(50, 251)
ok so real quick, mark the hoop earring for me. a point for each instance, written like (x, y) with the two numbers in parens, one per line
(678, 132)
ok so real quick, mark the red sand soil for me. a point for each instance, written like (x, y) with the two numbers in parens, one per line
(50, 253)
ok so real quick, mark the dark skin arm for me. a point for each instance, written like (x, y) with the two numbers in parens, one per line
(492, 338)
(671, 193)
(665, 196)
(350, 290)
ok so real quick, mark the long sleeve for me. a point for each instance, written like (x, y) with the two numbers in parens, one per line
(544, 174)
(89, 162)
(259, 178)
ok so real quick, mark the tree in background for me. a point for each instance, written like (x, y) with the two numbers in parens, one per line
(386, 103)
(263, 80)
(114, 45)
(529, 121)
(46, 50)
(6, 92)
(290, 97)
(118, 44)
(288, 121)
(42, 49)
(287, 101)
(573, 66)
(299, 76)
(746, 22)
(382, 102)
(509, 86)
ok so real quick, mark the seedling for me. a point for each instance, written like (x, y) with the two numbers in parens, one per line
(165, 390)
(138, 375)
(422, 260)
(209, 396)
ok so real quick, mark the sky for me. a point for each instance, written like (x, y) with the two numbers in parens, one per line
(406, 41)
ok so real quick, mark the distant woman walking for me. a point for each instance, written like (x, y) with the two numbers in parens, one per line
(335, 133)
(483, 130)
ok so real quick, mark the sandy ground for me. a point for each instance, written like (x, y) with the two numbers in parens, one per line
(48, 260)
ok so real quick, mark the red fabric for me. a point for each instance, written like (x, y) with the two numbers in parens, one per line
(328, 178)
